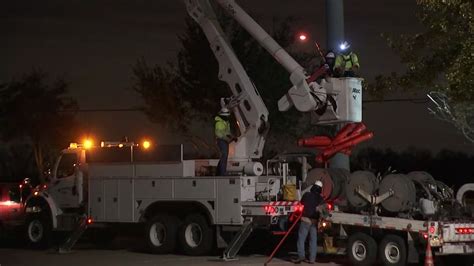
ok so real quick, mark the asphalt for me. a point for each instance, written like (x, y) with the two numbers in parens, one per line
(129, 251)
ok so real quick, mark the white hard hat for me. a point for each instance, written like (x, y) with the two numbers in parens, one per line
(224, 112)
(330, 55)
(318, 183)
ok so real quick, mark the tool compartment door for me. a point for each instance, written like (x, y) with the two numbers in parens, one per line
(229, 206)
(96, 199)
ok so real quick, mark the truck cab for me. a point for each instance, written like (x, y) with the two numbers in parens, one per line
(66, 180)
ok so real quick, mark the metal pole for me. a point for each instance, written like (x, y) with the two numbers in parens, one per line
(334, 36)
(334, 23)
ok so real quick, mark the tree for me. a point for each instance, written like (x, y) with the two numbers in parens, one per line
(179, 94)
(35, 110)
(439, 59)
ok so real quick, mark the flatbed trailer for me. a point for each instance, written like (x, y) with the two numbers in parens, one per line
(394, 240)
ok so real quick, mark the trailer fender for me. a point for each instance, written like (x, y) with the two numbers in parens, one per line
(43, 202)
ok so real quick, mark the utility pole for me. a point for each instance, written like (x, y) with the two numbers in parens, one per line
(334, 24)
(334, 37)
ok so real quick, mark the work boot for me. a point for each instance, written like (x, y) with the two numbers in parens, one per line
(297, 260)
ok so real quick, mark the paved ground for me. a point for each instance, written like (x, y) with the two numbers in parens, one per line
(120, 257)
(128, 252)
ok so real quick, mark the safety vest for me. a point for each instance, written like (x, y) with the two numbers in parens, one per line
(222, 128)
(347, 61)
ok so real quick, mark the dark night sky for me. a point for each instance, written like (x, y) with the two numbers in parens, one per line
(93, 44)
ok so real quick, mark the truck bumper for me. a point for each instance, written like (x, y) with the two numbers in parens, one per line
(456, 248)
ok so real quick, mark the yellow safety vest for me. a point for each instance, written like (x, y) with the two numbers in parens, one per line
(347, 61)
(222, 128)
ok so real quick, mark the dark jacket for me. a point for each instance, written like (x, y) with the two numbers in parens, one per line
(311, 200)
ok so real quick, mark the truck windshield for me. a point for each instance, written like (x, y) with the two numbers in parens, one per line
(67, 165)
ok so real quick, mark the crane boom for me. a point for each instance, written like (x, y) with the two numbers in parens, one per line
(247, 105)
(332, 101)
(300, 95)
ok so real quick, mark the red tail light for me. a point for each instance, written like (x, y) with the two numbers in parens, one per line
(432, 229)
(330, 207)
(464, 231)
(299, 208)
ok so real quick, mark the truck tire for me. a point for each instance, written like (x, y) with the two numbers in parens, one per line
(393, 250)
(196, 236)
(161, 233)
(362, 249)
(38, 231)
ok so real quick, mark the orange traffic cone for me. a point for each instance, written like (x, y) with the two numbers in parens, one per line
(429, 256)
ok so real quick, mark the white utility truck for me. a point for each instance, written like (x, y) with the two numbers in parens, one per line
(181, 201)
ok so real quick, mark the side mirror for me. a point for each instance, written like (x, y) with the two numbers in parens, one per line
(48, 175)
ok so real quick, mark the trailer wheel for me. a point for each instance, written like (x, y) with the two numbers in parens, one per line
(161, 233)
(196, 236)
(362, 249)
(393, 250)
(38, 231)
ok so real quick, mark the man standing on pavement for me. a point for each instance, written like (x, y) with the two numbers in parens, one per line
(309, 223)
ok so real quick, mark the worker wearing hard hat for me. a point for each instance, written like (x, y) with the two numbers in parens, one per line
(223, 137)
(347, 62)
(330, 61)
(309, 222)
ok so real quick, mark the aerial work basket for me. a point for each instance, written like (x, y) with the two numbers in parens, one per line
(344, 102)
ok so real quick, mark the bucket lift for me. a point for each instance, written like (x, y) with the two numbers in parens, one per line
(331, 102)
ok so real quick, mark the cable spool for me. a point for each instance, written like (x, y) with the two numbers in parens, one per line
(366, 181)
(404, 197)
(339, 178)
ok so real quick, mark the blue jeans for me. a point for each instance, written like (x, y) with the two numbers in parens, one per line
(224, 149)
(303, 231)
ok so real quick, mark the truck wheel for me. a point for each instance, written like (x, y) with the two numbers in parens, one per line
(393, 250)
(362, 249)
(196, 236)
(38, 231)
(160, 234)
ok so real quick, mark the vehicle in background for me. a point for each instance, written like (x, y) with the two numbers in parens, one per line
(12, 211)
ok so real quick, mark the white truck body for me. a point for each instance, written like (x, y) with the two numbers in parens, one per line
(445, 237)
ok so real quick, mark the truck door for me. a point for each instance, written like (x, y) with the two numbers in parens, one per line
(66, 186)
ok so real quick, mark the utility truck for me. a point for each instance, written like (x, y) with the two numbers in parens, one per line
(182, 203)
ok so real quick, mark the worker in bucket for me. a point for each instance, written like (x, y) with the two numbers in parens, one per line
(347, 62)
(330, 61)
(309, 223)
(223, 138)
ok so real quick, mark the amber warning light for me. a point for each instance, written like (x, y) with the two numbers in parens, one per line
(146, 144)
